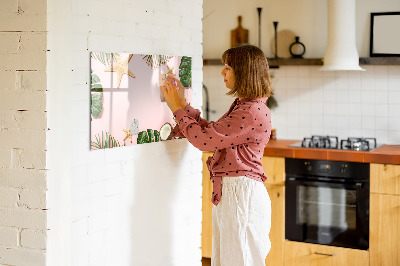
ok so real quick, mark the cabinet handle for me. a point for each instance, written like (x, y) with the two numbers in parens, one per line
(324, 254)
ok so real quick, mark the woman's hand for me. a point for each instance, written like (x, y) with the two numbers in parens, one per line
(172, 96)
(181, 89)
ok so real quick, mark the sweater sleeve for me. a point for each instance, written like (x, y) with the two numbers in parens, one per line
(229, 131)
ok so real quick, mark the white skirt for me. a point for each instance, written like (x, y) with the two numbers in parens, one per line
(241, 223)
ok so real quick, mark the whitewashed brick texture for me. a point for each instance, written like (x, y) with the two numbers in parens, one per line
(33, 199)
(34, 239)
(95, 198)
(23, 128)
(117, 206)
(8, 197)
(9, 237)
(22, 256)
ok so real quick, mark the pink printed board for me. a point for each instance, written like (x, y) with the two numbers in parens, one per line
(127, 105)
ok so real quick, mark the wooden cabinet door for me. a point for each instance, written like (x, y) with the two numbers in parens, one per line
(277, 233)
(304, 254)
(384, 237)
(206, 232)
(274, 168)
(385, 178)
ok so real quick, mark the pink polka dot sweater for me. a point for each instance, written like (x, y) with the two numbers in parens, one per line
(238, 139)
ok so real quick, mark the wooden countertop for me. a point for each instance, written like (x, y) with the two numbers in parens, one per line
(389, 154)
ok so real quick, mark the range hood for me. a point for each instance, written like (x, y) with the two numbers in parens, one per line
(341, 51)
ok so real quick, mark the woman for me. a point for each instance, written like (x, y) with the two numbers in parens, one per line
(242, 208)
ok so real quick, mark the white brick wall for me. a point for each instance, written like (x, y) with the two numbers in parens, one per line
(136, 205)
(9, 237)
(8, 197)
(22, 132)
(33, 239)
(99, 204)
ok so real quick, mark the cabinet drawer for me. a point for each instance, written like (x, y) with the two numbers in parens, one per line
(304, 254)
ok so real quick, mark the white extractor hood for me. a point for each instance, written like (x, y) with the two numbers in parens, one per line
(341, 51)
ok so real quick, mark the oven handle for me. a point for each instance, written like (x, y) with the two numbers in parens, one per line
(357, 185)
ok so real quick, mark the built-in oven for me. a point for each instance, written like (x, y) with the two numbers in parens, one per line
(327, 202)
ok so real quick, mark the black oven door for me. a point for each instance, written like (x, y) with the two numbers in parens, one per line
(327, 212)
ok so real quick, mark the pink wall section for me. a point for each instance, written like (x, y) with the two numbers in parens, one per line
(136, 98)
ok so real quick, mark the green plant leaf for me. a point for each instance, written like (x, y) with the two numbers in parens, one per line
(104, 141)
(97, 88)
(95, 79)
(155, 61)
(107, 59)
(96, 100)
(156, 136)
(142, 137)
(96, 104)
(95, 82)
(185, 71)
(150, 132)
(271, 103)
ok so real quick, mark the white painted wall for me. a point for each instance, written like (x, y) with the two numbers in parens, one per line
(23, 133)
(306, 18)
(344, 103)
(136, 205)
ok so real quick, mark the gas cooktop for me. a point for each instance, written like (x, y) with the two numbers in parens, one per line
(332, 142)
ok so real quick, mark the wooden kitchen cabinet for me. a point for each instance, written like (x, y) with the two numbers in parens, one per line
(385, 215)
(206, 232)
(384, 236)
(385, 178)
(274, 168)
(305, 254)
(277, 233)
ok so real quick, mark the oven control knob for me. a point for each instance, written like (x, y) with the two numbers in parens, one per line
(308, 166)
(343, 168)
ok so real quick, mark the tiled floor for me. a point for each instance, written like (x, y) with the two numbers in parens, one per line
(206, 261)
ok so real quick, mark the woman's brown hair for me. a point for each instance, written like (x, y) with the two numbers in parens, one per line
(250, 66)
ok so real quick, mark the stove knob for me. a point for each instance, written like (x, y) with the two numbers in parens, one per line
(308, 166)
(343, 168)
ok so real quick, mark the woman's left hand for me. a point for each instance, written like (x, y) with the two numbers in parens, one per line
(171, 96)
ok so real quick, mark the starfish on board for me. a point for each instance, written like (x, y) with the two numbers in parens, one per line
(170, 70)
(128, 134)
(121, 67)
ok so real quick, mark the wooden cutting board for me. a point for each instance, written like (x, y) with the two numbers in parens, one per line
(239, 35)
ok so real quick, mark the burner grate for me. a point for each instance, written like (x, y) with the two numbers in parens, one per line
(332, 142)
(327, 142)
(358, 144)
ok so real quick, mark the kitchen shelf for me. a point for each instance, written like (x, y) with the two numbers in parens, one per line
(380, 61)
(273, 63)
